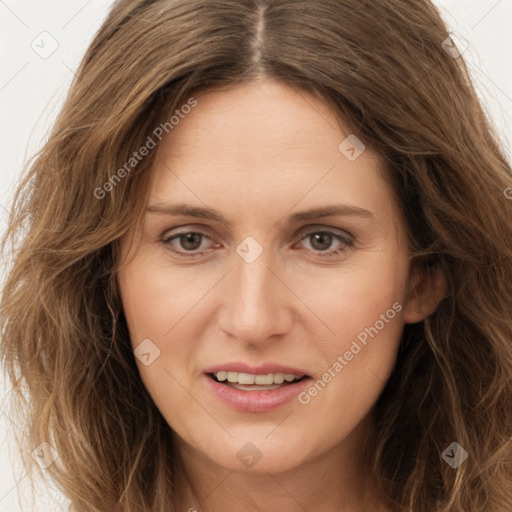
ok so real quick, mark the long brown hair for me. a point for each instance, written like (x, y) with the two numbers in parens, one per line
(383, 68)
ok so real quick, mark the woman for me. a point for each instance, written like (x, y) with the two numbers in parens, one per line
(263, 263)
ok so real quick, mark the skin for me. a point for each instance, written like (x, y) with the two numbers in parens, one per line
(257, 154)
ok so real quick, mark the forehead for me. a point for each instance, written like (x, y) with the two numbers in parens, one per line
(261, 143)
(262, 118)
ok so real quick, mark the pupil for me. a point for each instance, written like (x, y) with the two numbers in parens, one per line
(321, 237)
(193, 239)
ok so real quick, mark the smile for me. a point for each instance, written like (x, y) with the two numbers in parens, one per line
(255, 392)
(254, 382)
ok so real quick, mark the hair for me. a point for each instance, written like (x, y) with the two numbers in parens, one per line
(382, 68)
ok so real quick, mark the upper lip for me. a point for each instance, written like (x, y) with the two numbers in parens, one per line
(261, 369)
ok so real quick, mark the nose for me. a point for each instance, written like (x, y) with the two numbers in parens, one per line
(256, 305)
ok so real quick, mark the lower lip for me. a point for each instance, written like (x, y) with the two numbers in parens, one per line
(256, 401)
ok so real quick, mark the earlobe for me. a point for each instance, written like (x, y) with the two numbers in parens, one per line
(427, 287)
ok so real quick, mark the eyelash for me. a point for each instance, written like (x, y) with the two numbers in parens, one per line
(348, 242)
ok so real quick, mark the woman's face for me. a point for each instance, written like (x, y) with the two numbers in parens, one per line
(272, 249)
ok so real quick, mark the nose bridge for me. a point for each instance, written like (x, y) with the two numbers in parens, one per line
(254, 306)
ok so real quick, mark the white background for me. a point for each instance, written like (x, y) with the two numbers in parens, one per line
(32, 89)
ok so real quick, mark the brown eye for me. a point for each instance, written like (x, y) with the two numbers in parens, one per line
(190, 241)
(321, 241)
(186, 243)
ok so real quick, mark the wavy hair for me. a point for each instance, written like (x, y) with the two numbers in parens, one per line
(382, 68)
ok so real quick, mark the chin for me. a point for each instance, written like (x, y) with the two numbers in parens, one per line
(248, 452)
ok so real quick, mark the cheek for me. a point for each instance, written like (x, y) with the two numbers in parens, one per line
(164, 313)
(363, 309)
(356, 298)
(155, 297)
(153, 306)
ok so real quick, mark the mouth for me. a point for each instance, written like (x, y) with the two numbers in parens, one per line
(255, 382)
(255, 388)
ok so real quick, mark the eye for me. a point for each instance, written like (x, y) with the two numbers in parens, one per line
(321, 241)
(189, 242)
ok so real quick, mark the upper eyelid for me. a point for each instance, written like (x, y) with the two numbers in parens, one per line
(314, 228)
(319, 229)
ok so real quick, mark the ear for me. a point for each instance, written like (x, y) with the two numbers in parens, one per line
(426, 289)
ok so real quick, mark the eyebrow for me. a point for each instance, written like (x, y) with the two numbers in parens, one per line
(211, 214)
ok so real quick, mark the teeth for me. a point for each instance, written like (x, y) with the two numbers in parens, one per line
(279, 378)
(222, 376)
(262, 380)
(247, 378)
